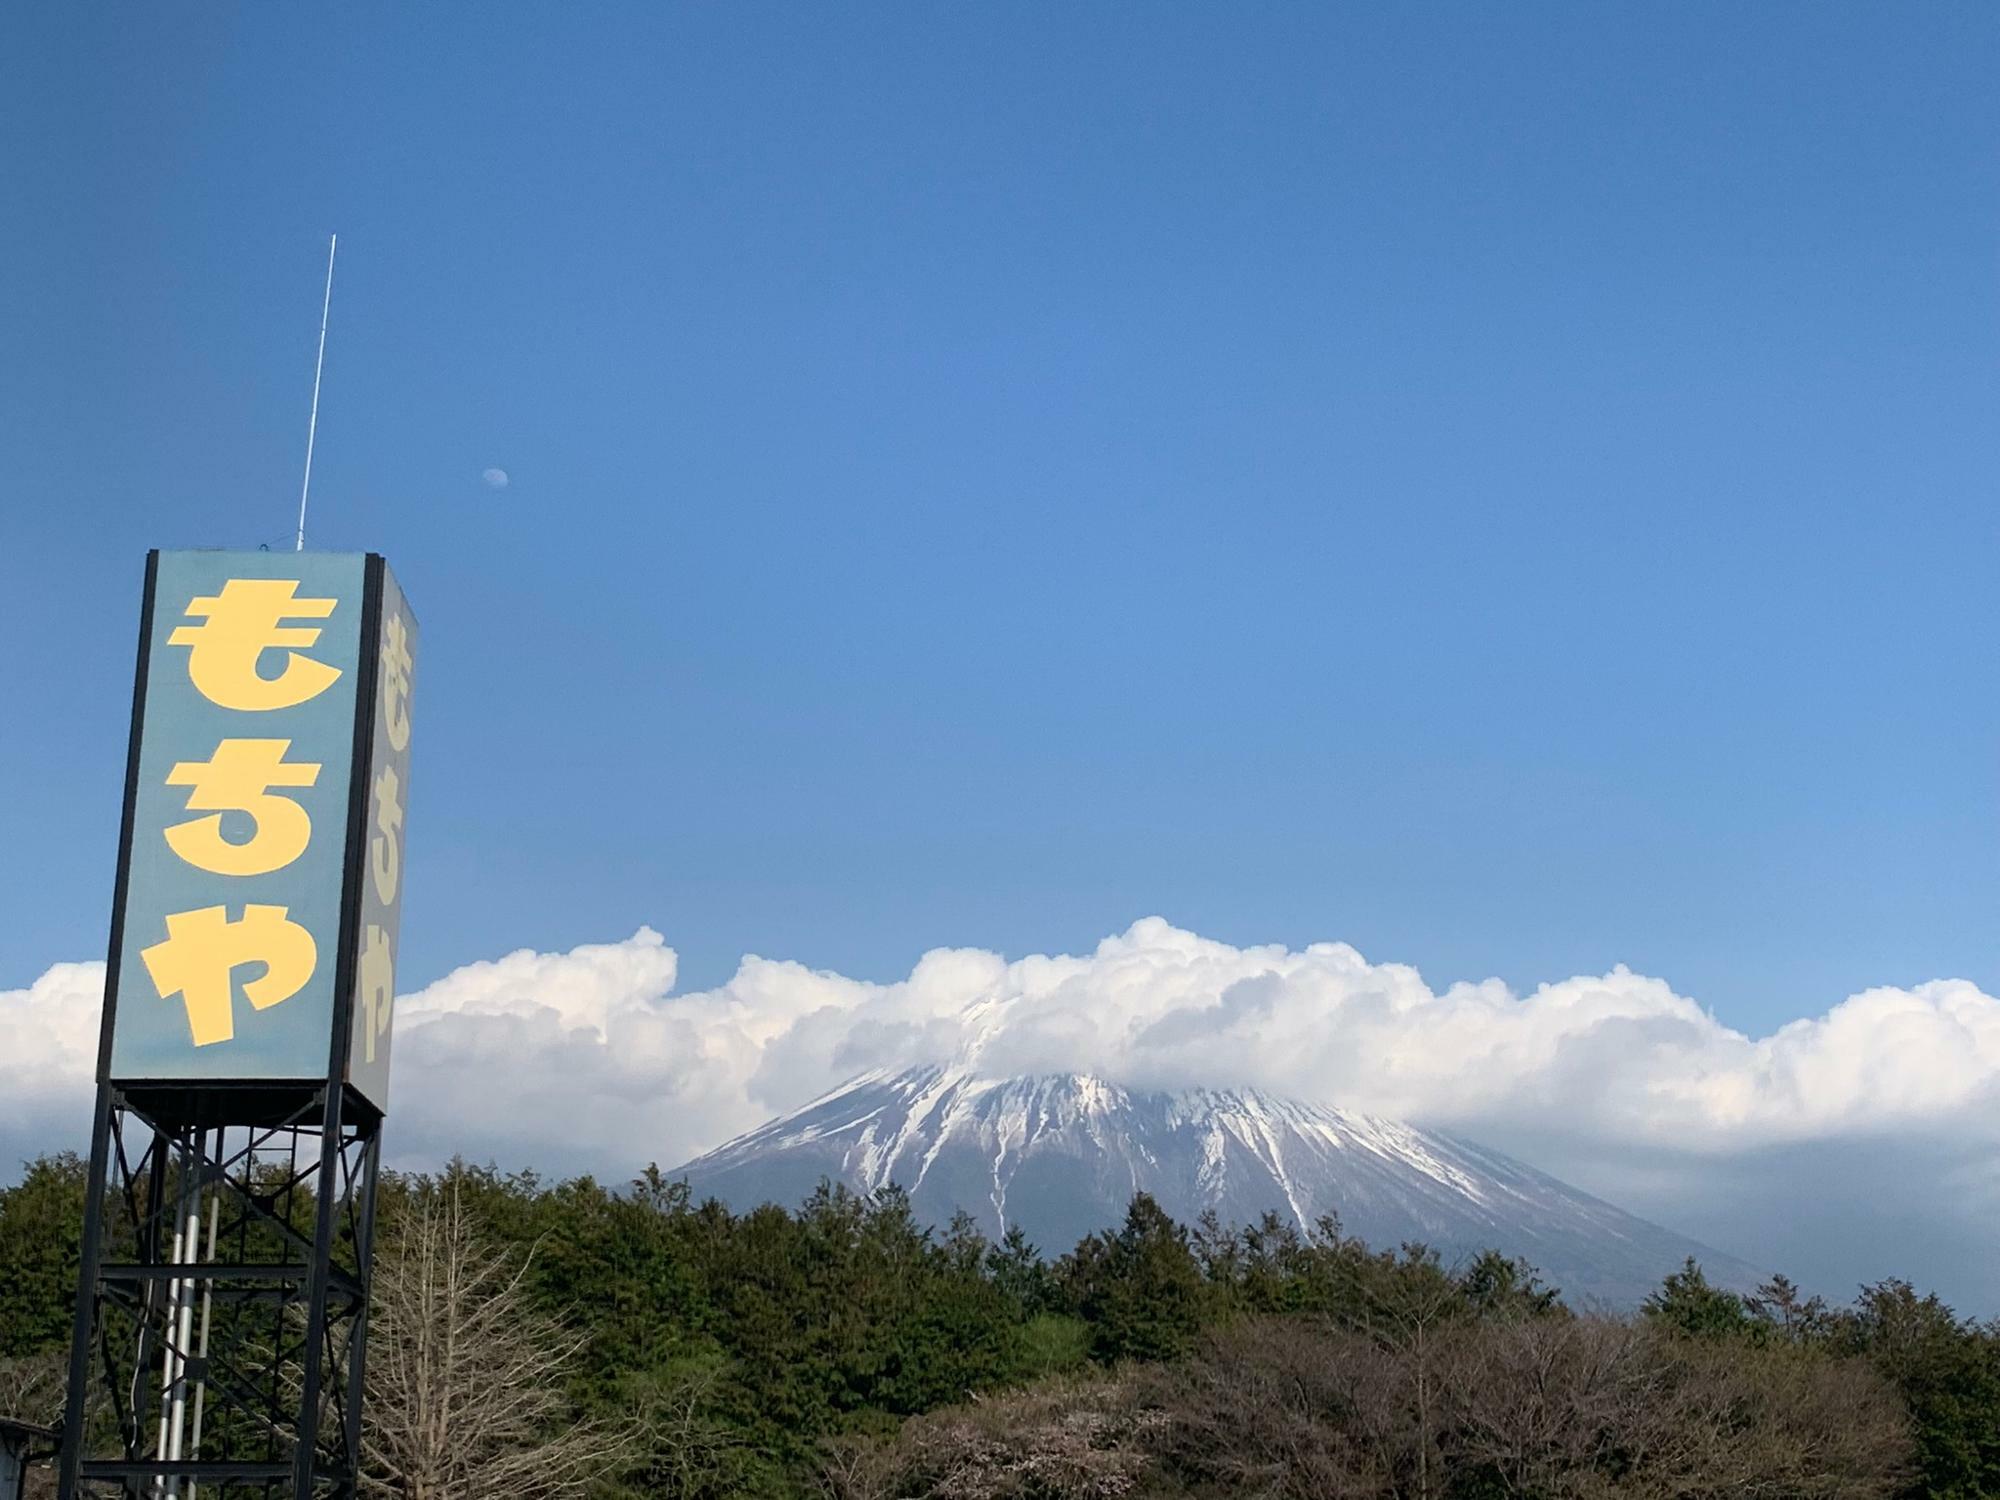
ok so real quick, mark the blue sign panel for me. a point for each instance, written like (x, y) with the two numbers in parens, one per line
(236, 916)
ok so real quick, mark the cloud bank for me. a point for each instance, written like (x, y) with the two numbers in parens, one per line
(588, 1059)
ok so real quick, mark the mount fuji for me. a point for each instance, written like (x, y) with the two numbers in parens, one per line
(1061, 1155)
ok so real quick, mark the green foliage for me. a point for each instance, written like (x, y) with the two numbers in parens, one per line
(1948, 1373)
(1051, 1344)
(1017, 1269)
(41, 1232)
(1139, 1289)
(1686, 1303)
(1946, 1369)
(1786, 1316)
(756, 1347)
(1498, 1287)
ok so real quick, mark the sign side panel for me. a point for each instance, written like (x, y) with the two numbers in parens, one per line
(380, 932)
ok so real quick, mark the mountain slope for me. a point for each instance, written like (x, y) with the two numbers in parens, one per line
(1061, 1155)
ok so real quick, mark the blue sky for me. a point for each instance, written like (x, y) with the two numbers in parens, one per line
(1506, 487)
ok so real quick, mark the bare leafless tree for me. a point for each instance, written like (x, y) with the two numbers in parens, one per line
(465, 1375)
(1291, 1409)
(1063, 1440)
(1411, 1310)
(1778, 1421)
(684, 1452)
(1544, 1407)
(32, 1387)
(1557, 1408)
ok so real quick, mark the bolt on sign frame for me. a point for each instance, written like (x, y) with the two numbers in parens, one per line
(243, 1063)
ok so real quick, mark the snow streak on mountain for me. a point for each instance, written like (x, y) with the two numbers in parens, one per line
(1061, 1156)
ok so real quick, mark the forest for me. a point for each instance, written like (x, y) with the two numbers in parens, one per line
(544, 1338)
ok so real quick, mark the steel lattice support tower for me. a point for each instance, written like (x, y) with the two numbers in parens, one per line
(221, 1344)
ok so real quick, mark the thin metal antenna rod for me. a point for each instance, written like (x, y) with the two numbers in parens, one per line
(312, 427)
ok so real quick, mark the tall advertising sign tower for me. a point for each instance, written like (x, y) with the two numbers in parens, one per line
(243, 1065)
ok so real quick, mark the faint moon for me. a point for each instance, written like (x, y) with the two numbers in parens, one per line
(496, 479)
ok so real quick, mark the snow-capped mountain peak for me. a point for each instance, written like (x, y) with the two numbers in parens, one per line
(1061, 1155)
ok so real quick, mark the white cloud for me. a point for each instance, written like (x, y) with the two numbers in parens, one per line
(50, 1058)
(588, 1058)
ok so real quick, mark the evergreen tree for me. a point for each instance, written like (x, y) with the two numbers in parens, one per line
(1686, 1303)
(1018, 1272)
(1790, 1316)
(1139, 1289)
(41, 1234)
(741, 1345)
(1948, 1372)
(1497, 1286)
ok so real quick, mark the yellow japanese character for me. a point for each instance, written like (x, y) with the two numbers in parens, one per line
(239, 625)
(378, 989)
(396, 682)
(384, 854)
(238, 778)
(202, 951)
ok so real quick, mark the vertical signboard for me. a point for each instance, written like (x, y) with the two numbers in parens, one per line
(262, 769)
